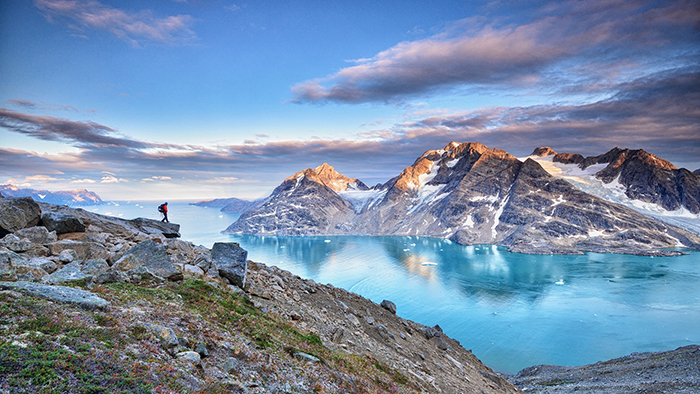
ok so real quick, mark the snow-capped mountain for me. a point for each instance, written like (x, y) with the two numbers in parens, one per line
(469, 193)
(78, 197)
(634, 178)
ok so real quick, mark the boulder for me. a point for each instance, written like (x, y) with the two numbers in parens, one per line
(230, 260)
(38, 235)
(165, 335)
(15, 244)
(85, 250)
(190, 356)
(71, 273)
(67, 256)
(150, 226)
(8, 264)
(69, 295)
(388, 305)
(44, 263)
(17, 213)
(95, 267)
(152, 258)
(203, 261)
(62, 223)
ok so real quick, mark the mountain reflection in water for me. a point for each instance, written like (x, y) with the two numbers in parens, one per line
(513, 310)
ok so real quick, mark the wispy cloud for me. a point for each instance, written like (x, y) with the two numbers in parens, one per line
(135, 28)
(49, 128)
(538, 54)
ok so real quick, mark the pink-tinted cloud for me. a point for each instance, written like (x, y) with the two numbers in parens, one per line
(132, 27)
(526, 55)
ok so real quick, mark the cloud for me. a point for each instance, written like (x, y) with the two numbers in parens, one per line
(232, 8)
(658, 113)
(112, 179)
(537, 54)
(45, 106)
(132, 27)
(40, 178)
(86, 180)
(49, 128)
(156, 178)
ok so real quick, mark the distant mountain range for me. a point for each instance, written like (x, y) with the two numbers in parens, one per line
(473, 194)
(229, 205)
(78, 197)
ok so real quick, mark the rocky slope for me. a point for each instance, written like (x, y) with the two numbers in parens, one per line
(78, 197)
(98, 304)
(471, 194)
(642, 175)
(675, 371)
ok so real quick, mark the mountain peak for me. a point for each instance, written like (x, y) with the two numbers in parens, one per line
(543, 151)
(326, 175)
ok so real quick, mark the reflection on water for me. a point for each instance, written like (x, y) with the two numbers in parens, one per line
(513, 310)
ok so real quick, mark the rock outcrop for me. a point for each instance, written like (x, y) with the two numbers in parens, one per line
(473, 195)
(650, 372)
(18, 213)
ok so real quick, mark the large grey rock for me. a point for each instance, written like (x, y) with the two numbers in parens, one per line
(71, 273)
(70, 295)
(165, 335)
(62, 223)
(95, 267)
(150, 226)
(85, 250)
(152, 258)
(8, 265)
(17, 213)
(44, 263)
(388, 305)
(15, 244)
(38, 235)
(231, 261)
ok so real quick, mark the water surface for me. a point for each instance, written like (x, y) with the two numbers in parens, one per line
(513, 310)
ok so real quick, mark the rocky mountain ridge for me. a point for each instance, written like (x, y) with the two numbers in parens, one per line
(470, 194)
(124, 305)
(77, 197)
(642, 175)
(229, 205)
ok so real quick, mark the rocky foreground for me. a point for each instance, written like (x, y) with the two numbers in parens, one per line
(97, 304)
(94, 304)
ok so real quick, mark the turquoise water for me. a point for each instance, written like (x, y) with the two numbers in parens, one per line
(513, 310)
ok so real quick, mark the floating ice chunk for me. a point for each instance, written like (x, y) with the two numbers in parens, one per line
(559, 282)
(426, 263)
(327, 241)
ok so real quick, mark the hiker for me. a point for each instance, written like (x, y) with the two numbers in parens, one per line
(163, 208)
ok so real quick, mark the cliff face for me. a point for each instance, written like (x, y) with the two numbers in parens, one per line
(471, 194)
(147, 313)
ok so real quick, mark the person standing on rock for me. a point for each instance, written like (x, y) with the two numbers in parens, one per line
(163, 208)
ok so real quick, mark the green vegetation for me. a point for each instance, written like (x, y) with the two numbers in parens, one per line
(57, 348)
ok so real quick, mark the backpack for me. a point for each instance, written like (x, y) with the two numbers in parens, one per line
(161, 208)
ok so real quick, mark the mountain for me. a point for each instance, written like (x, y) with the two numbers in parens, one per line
(634, 178)
(77, 197)
(471, 194)
(306, 203)
(229, 205)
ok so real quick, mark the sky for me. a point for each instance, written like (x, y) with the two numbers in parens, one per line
(200, 99)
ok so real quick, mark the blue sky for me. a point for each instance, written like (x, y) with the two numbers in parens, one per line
(201, 99)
